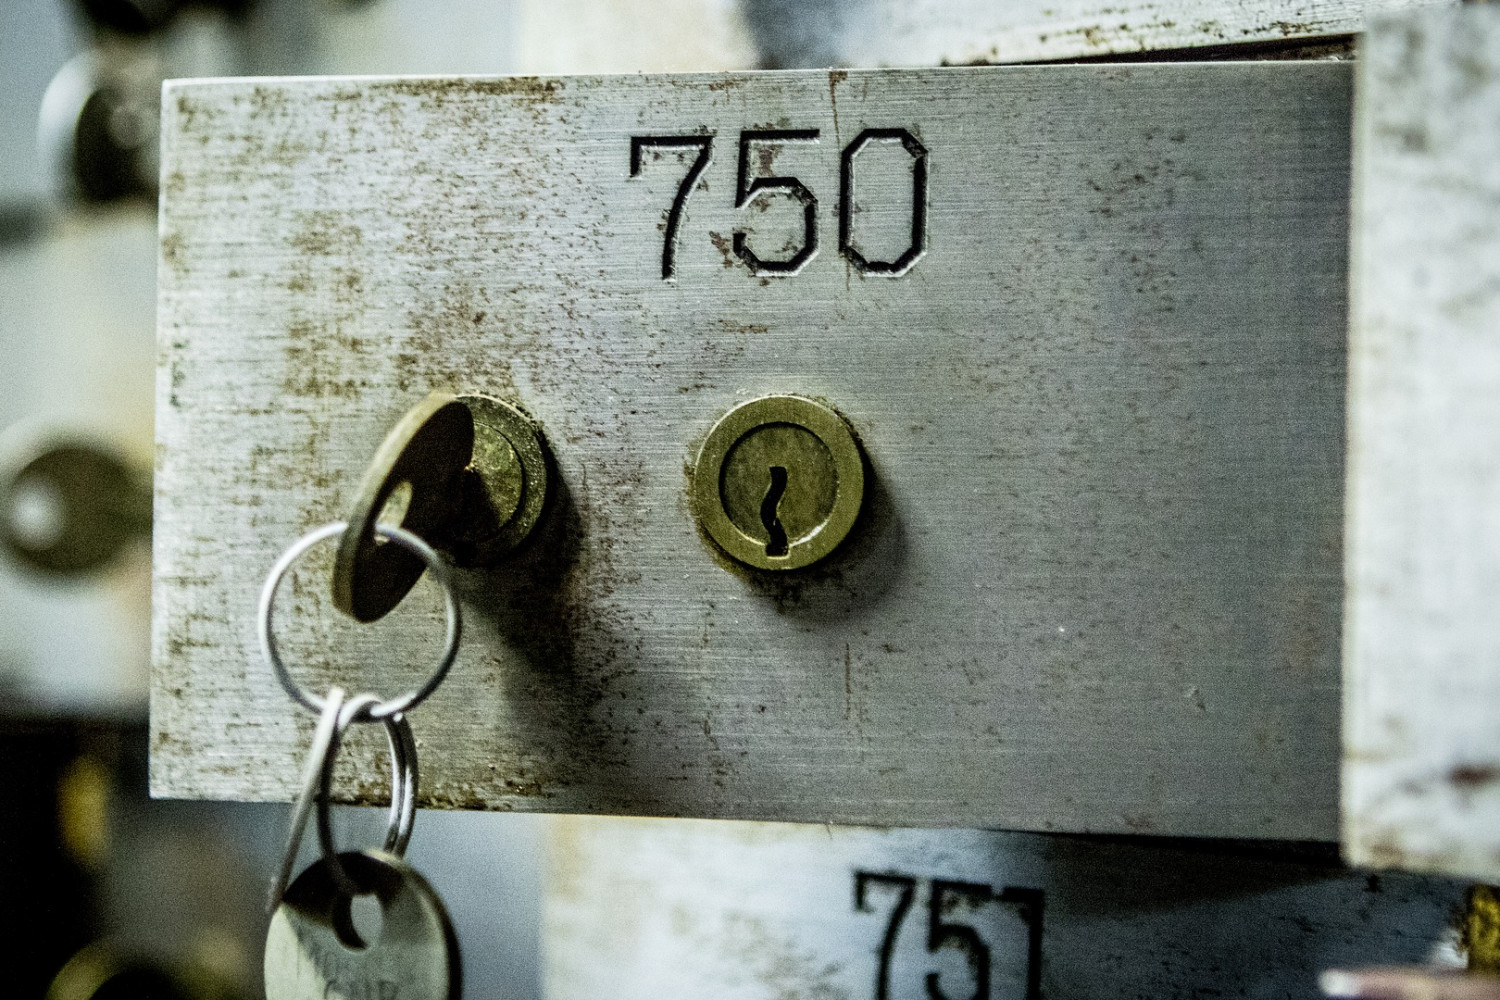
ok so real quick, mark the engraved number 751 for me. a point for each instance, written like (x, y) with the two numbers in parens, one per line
(942, 932)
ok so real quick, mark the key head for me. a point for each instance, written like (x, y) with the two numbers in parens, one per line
(428, 450)
(313, 951)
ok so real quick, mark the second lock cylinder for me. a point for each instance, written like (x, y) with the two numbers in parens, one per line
(779, 482)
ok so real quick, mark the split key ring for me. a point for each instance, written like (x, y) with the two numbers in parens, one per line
(381, 710)
(339, 713)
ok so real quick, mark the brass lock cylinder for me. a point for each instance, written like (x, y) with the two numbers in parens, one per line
(779, 482)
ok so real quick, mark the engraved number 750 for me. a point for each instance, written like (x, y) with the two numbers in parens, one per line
(749, 189)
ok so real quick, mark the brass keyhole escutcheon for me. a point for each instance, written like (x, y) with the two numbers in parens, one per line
(779, 482)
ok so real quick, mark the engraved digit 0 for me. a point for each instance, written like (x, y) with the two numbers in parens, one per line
(918, 153)
(703, 143)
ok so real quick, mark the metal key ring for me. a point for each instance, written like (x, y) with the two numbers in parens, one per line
(312, 773)
(403, 785)
(414, 545)
(337, 714)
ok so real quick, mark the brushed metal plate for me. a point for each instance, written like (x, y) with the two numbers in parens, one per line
(1097, 583)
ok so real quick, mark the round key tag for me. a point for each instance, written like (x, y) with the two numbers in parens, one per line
(314, 951)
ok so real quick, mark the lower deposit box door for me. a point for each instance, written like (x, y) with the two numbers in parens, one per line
(944, 447)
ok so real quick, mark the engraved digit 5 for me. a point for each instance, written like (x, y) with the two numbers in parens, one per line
(908, 887)
(703, 143)
(749, 187)
(941, 932)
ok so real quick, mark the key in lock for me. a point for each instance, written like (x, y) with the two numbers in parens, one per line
(472, 473)
(779, 482)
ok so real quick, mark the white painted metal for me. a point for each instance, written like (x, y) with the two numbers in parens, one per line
(1098, 583)
(642, 909)
(571, 36)
(1422, 636)
(630, 36)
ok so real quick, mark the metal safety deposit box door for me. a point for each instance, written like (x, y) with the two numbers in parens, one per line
(1075, 336)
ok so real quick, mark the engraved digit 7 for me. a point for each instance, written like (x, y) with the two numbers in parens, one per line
(703, 143)
(941, 932)
(748, 187)
(908, 887)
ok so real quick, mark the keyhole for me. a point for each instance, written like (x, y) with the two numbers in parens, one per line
(777, 545)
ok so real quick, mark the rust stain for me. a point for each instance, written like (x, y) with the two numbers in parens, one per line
(200, 117)
(734, 326)
(268, 102)
(724, 246)
(173, 253)
(439, 90)
(848, 683)
(327, 233)
(835, 77)
(786, 970)
(1291, 28)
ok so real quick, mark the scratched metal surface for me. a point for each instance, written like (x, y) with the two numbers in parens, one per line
(1421, 741)
(653, 908)
(1097, 584)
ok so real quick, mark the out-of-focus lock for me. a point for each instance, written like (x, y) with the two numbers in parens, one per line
(948, 447)
(69, 504)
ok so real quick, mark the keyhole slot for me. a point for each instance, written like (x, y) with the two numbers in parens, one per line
(769, 517)
(358, 920)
